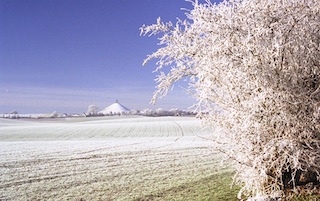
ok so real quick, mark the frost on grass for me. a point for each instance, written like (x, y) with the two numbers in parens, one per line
(253, 66)
(122, 165)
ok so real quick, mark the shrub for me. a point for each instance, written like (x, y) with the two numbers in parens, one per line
(254, 68)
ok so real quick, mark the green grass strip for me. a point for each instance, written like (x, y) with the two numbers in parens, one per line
(213, 187)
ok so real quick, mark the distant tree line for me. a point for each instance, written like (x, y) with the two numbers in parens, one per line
(92, 112)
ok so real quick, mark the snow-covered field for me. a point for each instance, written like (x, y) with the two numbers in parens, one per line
(119, 158)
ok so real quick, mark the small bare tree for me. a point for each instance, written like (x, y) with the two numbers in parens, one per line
(254, 68)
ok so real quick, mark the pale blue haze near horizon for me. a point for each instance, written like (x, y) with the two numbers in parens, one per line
(63, 55)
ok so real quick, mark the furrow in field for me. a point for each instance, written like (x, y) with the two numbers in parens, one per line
(121, 159)
(121, 172)
(134, 127)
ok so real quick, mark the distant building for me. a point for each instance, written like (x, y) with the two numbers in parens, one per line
(12, 115)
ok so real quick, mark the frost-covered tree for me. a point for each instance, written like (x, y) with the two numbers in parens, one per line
(92, 110)
(147, 112)
(254, 68)
(54, 114)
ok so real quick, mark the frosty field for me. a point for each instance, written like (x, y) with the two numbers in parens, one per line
(110, 158)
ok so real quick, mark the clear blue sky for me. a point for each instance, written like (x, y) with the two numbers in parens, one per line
(63, 55)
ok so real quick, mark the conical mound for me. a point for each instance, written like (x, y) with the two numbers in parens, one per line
(115, 108)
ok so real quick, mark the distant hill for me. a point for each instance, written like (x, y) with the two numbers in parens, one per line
(115, 108)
